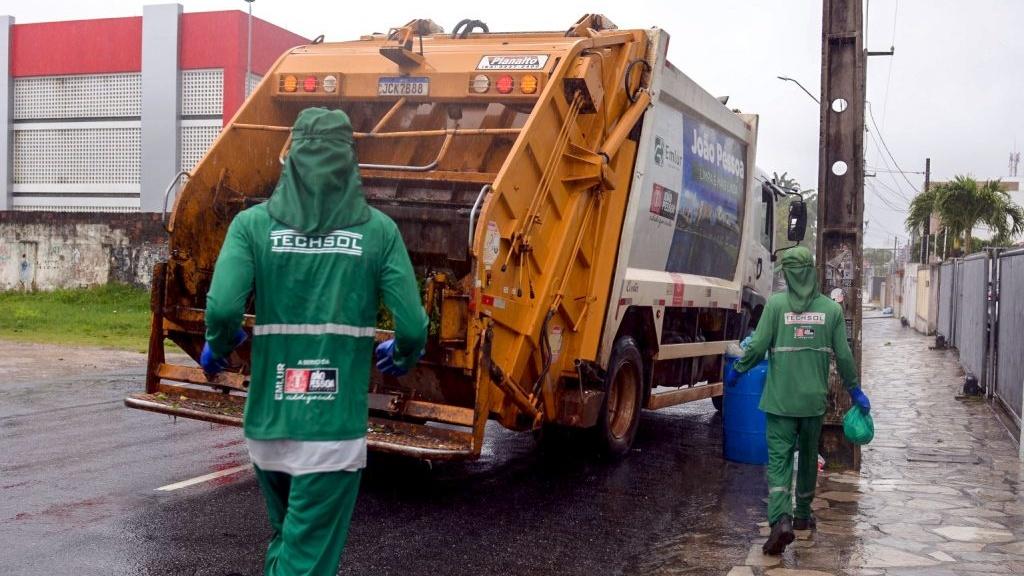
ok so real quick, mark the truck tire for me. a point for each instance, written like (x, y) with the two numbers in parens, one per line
(620, 412)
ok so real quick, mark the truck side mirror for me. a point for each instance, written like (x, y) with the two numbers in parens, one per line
(797, 227)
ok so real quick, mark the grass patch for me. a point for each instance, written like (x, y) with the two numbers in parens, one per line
(111, 316)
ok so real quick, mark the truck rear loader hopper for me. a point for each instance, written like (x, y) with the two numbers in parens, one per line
(507, 161)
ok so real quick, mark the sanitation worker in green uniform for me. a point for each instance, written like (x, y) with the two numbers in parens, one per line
(801, 330)
(319, 259)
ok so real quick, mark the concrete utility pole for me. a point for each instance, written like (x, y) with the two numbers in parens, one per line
(248, 54)
(841, 196)
(928, 221)
(895, 240)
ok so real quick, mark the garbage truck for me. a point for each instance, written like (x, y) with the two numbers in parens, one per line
(587, 224)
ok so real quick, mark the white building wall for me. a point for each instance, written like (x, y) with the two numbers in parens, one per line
(77, 142)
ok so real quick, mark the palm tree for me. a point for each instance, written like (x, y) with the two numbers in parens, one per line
(963, 203)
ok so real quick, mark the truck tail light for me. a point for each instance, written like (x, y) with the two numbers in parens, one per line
(528, 84)
(309, 84)
(330, 83)
(505, 84)
(289, 83)
(481, 84)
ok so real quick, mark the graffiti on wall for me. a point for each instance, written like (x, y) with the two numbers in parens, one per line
(48, 251)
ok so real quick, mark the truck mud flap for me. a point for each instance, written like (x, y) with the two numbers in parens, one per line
(423, 441)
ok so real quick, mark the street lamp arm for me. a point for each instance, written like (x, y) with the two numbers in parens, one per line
(787, 79)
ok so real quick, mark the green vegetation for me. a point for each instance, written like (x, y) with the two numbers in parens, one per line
(964, 203)
(111, 316)
(782, 213)
(880, 258)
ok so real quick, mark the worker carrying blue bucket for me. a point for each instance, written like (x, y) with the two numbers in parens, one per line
(800, 330)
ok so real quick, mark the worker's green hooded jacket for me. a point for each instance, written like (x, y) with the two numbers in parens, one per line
(319, 259)
(800, 329)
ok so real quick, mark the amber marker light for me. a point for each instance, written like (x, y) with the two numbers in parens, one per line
(528, 84)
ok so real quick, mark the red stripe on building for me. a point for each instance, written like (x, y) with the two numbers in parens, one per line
(101, 46)
(111, 45)
(218, 40)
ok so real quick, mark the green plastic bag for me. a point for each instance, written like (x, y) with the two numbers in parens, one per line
(858, 426)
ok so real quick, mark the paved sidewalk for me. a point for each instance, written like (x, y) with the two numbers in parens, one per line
(939, 489)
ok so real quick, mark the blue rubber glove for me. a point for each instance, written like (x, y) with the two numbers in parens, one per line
(860, 399)
(746, 342)
(386, 359)
(732, 376)
(211, 364)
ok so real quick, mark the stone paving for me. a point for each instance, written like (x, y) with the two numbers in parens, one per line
(938, 493)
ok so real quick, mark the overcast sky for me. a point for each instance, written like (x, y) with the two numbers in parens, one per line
(952, 92)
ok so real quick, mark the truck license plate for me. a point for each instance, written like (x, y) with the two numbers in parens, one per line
(403, 86)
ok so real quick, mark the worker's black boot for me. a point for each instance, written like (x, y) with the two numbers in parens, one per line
(780, 536)
(810, 523)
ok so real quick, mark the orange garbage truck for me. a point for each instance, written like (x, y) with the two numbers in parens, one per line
(587, 222)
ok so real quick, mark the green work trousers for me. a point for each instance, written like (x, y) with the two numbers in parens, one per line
(787, 434)
(310, 514)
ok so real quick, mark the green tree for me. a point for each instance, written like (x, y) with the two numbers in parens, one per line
(963, 203)
(782, 212)
(878, 257)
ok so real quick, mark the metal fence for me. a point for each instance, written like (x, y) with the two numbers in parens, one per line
(980, 314)
(972, 315)
(908, 302)
(1009, 349)
(945, 324)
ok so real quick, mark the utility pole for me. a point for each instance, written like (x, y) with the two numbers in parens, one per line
(928, 220)
(841, 196)
(248, 54)
(895, 239)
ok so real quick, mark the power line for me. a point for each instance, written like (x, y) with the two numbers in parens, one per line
(875, 169)
(878, 225)
(882, 199)
(889, 203)
(880, 232)
(885, 98)
(899, 188)
(894, 192)
(881, 138)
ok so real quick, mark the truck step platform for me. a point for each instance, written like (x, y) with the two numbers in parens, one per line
(427, 442)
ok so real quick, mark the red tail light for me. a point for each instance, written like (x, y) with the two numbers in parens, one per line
(505, 84)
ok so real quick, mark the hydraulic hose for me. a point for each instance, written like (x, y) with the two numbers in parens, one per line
(630, 93)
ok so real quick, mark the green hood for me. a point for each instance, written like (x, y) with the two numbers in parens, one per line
(319, 190)
(801, 278)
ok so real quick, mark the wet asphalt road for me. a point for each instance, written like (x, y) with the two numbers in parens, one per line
(78, 474)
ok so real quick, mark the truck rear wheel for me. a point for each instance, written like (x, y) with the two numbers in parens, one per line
(620, 413)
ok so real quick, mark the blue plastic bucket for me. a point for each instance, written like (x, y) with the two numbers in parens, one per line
(744, 439)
